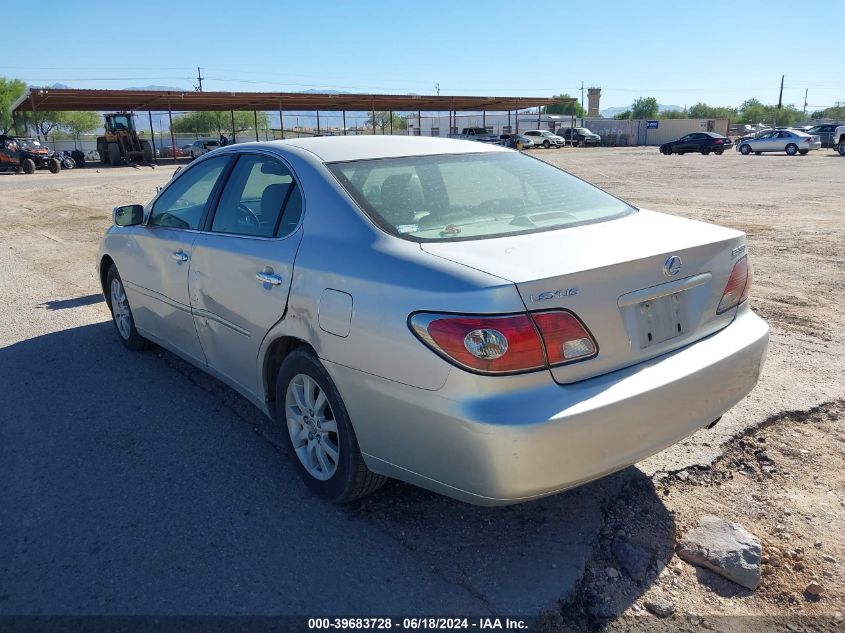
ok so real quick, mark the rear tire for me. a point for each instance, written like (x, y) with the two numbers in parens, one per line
(121, 313)
(148, 151)
(546, 145)
(705, 151)
(841, 149)
(28, 166)
(718, 152)
(54, 165)
(102, 150)
(309, 406)
(114, 154)
(791, 149)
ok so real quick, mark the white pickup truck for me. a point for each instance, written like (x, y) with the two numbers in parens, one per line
(839, 140)
(476, 134)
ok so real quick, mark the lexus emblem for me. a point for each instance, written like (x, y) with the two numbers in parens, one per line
(672, 266)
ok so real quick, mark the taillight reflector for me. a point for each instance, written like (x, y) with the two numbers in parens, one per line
(565, 337)
(737, 288)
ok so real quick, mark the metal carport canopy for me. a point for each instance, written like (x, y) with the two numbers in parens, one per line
(52, 99)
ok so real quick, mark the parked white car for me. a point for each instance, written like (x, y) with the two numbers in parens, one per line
(453, 314)
(544, 138)
(202, 146)
(839, 140)
(790, 141)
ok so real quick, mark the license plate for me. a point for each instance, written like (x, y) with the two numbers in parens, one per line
(661, 319)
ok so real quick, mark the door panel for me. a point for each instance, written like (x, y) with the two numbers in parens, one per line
(233, 308)
(156, 278)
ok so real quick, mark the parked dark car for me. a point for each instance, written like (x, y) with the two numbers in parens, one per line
(577, 136)
(703, 142)
(824, 132)
(168, 151)
(27, 155)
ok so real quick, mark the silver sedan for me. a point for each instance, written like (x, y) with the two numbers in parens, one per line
(460, 316)
(790, 141)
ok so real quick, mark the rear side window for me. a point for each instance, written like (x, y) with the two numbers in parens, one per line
(181, 205)
(260, 199)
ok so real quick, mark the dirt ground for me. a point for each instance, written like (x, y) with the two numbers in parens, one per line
(775, 462)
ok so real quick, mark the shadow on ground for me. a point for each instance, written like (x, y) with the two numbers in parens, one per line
(76, 302)
(136, 484)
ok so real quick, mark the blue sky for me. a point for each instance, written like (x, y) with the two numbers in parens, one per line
(678, 52)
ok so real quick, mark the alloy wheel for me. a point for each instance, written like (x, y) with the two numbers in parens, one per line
(312, 427)
(120, 309)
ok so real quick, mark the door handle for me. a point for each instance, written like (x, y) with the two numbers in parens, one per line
(179, 256)
(268, 278)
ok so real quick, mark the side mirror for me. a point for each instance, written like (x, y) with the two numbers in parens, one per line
(129, 215)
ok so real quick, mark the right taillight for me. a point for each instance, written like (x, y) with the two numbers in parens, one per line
(738, 286)
(506, 344)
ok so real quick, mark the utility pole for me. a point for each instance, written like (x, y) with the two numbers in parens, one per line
(780, 96)
(198, 87)
(582, 96)
(805, 102)
(437, 88)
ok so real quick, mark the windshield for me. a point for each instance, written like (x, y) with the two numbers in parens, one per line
(582, 130)
(453, 197)
(29, 142)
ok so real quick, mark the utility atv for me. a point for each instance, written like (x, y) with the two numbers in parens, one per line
(27, 155)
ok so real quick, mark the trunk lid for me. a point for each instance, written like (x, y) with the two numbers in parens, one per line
(611, 275)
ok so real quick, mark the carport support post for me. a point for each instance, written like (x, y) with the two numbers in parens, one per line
(419, 123)
(172, 136)
(390, 114)
(538, 117)
(255, 119)
(516, 116)
(234, 134)
(318, 121)
(153, 137)
(281, 122)
(344, 122)
(373, 104)
(484, 119)
(35, 119)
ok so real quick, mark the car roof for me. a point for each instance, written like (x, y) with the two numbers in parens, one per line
(331, 149)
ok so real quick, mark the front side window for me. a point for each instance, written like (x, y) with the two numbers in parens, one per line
(260, 199)
(472, 196)
(181, 205)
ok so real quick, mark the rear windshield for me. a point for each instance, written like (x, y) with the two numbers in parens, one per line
(452, 197)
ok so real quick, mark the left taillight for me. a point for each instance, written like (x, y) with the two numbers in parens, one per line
(506, 344)
(738, 287)
(719, 141)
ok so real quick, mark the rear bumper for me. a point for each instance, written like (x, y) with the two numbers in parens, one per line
(501, 440)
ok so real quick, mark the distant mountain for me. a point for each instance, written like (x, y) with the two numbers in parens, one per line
(609, 113)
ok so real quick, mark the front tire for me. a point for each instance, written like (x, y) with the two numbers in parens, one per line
(841, 149)
(546, 145)
(322, 439)
(28, 166)
(745, 150)
(122, 313)
(114, 154)
(791, 149)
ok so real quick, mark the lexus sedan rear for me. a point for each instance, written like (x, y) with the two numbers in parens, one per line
(456, 315)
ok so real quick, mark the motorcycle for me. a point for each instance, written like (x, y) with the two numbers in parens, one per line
(64, 157)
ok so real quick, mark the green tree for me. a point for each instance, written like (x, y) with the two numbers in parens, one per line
(674, 114)
(836, 111)
(623, 116)
(565, 106)
(76, 123)
(382, 121)
(644, 108)
(205, 123)
(10, 90)
(753, 111)
(704, 111)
